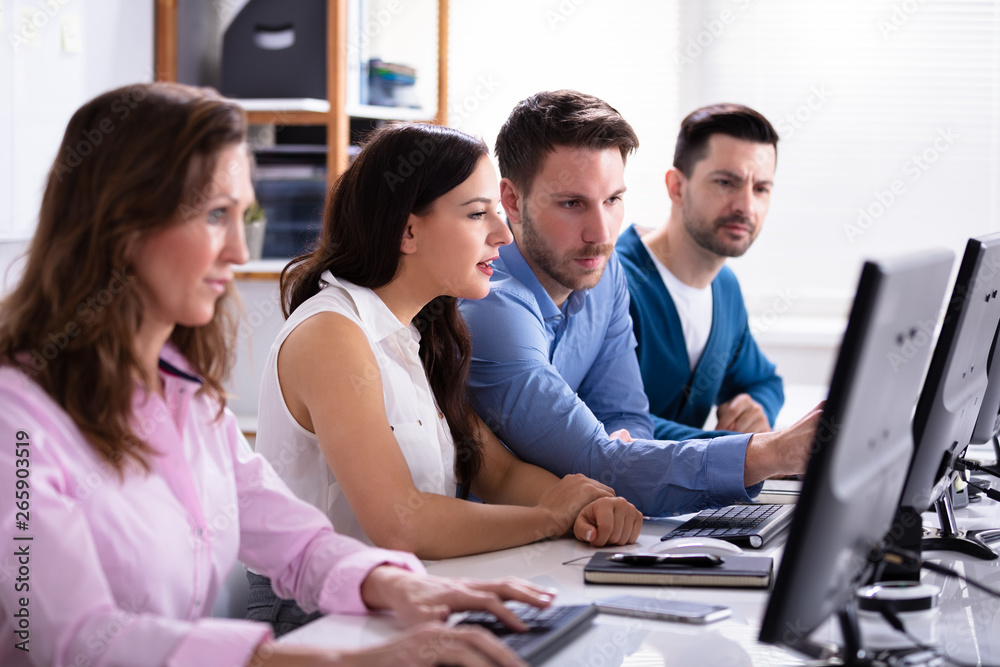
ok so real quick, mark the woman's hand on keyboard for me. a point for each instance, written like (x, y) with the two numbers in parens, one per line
(434, 643)
(416, 598)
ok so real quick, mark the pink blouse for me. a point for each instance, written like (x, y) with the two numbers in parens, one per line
(95, 570)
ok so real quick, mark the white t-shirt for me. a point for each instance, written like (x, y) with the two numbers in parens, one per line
(694, 307)
(420, 428)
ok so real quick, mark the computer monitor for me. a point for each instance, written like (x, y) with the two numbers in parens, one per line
(987, 425)
(950, 404)
(861, 449)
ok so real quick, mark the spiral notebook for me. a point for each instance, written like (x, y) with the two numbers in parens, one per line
(733, 572)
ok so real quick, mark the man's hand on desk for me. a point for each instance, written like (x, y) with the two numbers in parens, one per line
(743, 415)
(591, 511)
(608, 521)
(782, 452)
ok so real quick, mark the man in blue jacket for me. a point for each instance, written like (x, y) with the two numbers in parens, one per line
(554, 372)
(695, 348)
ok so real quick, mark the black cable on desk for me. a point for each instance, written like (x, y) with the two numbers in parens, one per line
(978, 467)
(896, 622)
(948, 572)
(906, 557)
(992, 494)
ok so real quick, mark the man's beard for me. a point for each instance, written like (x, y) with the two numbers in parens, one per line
(561, 269)
(707, 236)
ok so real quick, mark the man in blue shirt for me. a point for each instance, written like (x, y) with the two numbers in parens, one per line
(554, 371)
(695, 347)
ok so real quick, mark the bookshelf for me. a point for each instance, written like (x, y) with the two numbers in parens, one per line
(337, 113)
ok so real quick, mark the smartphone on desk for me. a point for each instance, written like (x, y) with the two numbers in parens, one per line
(667, 560)
(665, 610)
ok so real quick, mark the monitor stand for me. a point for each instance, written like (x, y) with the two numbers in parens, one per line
(951, 538)
(996, 452)
(851, 653)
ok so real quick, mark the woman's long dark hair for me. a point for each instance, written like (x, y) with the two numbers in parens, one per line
(401, 170)
(130, 162)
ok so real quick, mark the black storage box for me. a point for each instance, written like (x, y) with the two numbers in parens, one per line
(276, 48)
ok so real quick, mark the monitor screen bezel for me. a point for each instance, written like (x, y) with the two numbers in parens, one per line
(949, 404)
(915, 284)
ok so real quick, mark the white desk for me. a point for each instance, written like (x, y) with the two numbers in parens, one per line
(967, 626)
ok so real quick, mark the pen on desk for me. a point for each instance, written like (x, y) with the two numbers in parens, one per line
(666, 560)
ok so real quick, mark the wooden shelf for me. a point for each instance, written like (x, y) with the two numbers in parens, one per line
(337, 120)
(289, 117)
(389, 113)
(260, 269)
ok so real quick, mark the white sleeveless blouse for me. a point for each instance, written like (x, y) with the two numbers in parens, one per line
(420, 429)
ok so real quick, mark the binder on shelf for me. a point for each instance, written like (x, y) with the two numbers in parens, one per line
(733, 572)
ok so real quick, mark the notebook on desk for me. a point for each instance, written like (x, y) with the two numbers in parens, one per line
(733, 572)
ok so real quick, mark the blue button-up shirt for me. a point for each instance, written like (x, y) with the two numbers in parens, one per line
(553, 382)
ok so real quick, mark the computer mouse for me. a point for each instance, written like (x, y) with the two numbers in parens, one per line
(696, 545)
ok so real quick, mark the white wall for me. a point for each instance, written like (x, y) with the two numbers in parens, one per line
(628, 54)
(502, 51)
(45, 75)
(856, 88)
(769, 55)
(10, 266)
(404, 32)
(888, 113)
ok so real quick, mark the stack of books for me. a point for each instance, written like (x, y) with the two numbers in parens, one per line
(391, 84)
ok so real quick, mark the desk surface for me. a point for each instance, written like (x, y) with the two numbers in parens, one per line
(967, 626)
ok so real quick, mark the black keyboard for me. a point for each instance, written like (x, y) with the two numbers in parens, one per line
(745, 525)
(549, 629)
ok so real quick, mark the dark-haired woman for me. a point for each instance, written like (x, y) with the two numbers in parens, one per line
(128, 489)
(363, 407)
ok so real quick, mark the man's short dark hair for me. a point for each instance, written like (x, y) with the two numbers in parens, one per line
(540, 123)
(734, 120)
